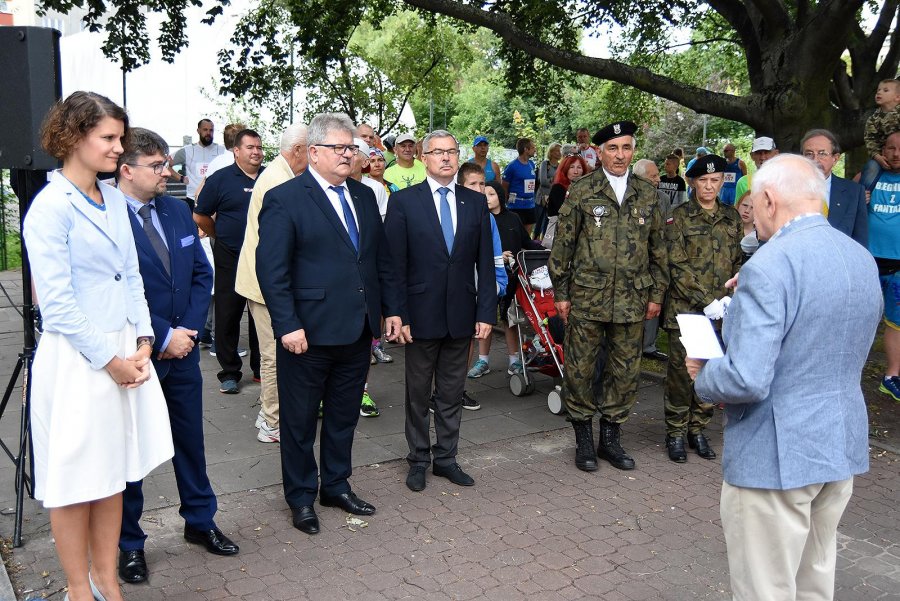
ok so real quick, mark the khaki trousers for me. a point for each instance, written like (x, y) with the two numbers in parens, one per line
(268, 394)
(782, 544)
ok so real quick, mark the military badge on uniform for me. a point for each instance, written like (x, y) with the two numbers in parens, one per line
(599, 212)
(710, 167)
(617, 128)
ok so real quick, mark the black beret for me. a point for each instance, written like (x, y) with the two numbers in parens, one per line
(705, 165)
(614, 130)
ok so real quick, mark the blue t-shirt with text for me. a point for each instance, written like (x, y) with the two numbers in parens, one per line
(884, 217)
(520, 177)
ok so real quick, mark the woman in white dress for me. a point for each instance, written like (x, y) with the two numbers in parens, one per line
(98, 415)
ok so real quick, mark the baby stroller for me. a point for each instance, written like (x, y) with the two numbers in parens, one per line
(540, 349)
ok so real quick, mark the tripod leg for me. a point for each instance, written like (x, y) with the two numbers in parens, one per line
(24, 446)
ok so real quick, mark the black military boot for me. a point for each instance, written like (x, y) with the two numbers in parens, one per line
(610, 449)
(698, 441)
(584, 449)
(675, 446)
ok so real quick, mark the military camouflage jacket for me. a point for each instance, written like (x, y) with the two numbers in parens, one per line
(878, 127)
(607, 260)
(704, 252)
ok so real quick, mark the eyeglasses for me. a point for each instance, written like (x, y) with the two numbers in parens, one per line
(440, 152)
(158, 168)
(818, 155)
(341, 148)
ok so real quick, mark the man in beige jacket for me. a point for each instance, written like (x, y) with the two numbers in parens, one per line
(289, 163)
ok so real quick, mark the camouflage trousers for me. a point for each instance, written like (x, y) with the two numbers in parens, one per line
(685, 412)
(584, 340)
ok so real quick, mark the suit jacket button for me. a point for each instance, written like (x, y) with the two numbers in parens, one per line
(359, 290)
(118, 276)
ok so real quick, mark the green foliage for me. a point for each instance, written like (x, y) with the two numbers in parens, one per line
(368, 71)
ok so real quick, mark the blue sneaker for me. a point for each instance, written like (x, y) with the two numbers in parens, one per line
(479, 369)
(515, 368)
(228, 387)
(890, 385)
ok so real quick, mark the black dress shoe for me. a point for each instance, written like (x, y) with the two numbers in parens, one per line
(675, 447)
(132, 566)
(699, 442)
(658, 355)
(305, 519)
(349, 502)
(213, 539)
(415, 479)
(454, 474)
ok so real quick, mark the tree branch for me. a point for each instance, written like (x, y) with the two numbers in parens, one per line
(842, 89)
(713, 103)
(888, 69)
(826, 34)
(775, 16)
(882, 26)
(735, 13)
(434, 63)
(701, 42)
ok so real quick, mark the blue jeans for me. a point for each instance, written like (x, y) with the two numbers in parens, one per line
(870, 173)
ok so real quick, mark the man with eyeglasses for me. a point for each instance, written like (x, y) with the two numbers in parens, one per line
(439, 233)
(177, 281)
(327, 278)
(226, 195)
(845, 200)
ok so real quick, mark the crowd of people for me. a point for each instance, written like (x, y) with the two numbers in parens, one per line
(345, 241)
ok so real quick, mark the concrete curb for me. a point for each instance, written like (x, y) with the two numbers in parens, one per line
(6, 588)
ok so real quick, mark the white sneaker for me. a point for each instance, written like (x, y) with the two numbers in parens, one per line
(260, 419)
(267, 434)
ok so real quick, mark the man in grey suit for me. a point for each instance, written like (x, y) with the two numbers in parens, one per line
(846, 200)
(796, 429)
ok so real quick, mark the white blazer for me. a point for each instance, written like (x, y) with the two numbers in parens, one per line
(85, 267)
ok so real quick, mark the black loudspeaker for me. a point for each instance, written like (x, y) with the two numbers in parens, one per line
(29, 62)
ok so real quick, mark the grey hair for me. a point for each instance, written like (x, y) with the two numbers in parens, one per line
(815, 133)
(633, 143)
(438, 133)
(324, 123)
(795, 177)
(294, 134)
(640, 168)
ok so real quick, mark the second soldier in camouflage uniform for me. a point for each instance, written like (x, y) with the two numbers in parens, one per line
(704, 239)
(609, 269)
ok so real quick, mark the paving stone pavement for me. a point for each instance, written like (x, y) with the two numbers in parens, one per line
(533, 526)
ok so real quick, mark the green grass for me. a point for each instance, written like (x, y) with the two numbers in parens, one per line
(13, 251)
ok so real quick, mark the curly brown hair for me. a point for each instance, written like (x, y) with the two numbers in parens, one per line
(70, 120)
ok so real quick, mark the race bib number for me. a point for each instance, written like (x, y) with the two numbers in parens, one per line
(203, 168)
(529, 186)
(730, 177)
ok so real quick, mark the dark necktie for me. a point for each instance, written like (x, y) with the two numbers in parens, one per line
(348, 217)
(446, 219)
(156, 240)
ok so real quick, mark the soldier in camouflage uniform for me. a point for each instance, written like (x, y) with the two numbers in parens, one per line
(610, 270)
(704, 238)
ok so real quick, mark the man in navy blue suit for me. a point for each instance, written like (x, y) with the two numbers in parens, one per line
(325, 272)
(441, 244)
(846, 200)
(177, 283)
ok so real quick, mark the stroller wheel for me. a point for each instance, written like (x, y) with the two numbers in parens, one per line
(517, 385)
(555, 401)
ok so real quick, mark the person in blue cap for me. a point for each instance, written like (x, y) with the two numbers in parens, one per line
(480, 148)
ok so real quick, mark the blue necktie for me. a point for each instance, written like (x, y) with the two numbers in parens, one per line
(348, 217)
(446, 219)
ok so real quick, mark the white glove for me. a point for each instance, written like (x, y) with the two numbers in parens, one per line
(714, 310)
(726, 301)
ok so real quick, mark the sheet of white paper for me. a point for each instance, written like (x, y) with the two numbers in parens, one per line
(698, 337)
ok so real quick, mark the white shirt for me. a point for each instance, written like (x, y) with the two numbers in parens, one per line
(220, 162)
(828, 191)
(334, 199)
(619, 184)
(381, 196)
(196, 159)
(451, 199)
